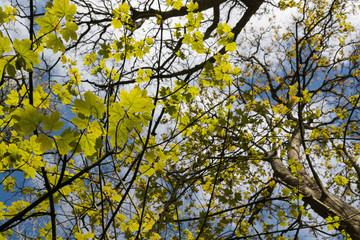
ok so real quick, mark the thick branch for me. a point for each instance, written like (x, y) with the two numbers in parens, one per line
(203, 5)
(323, 203)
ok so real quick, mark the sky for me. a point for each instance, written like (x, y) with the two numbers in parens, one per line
(262, 22)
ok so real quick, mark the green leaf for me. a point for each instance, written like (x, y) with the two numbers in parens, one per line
(27, 57)
(5, 45)
(52, 122)
(136, 100)
(340, 180)
(88, 145)
(62, 8)
(3, 16)
(230, 47)
(133, 226)
(80, 123)
(48, 23)
(91, 105)
(69, 31)
(283, 224)
(192, 6)
(12, 98)
(45, 142)
(147, 170)
(29, 172)
(55, 43)
(27, 119)
(9, 184)
(10, 69)
(68, 141)
(32, 145)
(116, 112)
(105, 50)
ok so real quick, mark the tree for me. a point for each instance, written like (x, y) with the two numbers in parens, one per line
(179, 120)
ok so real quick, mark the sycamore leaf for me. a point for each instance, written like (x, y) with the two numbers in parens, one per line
(82, 236)
(27, 119)
(283, 224)
(80, 123)
(192, 6)
(8, 184)
(62, 8)
(3, 63)
(116, 112)
(223, 28)
(55, 43)
(105, 50)
(118, 133)
(136, 100)
(27, 57)
(67, 141)
(45, 142)
(29, 172)
(48, 23)
(340, 180)
(12, 98)
(32, 146)
(116, 23)
(160, 166)
(116, 197)
(3, 16)
(147, 170)
(69, 31)
(91, 105)
(230, 47)
(4, 45)
(52, 122)
(88, 145)
(10, 69)
(133, 226)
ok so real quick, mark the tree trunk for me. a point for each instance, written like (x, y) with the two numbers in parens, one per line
(321, 200)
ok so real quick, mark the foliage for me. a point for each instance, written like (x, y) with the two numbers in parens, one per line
(179, 120)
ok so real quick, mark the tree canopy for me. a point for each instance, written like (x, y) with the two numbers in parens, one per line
(178, 119)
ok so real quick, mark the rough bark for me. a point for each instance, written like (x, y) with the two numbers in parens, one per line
(321, 200)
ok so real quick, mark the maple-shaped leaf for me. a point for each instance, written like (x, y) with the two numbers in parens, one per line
(118, 133)
(68, 141)
(88, 145)
(10, 69)
(147, 170)
(3, 16)
(48, 23)
(230, 46)
(116, 112)
(32, 145)
(62, 8)
(80, 123)
(52, 122)
(12, 98)
(91, 105)
(27, 57)
(26, 120)
(4, 45)
(136, 100)
(105, 50)
(69, 31)
(55, 43)
(29, 172)
(45, 142)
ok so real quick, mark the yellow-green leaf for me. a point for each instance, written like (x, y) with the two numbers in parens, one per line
(62, 8)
